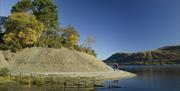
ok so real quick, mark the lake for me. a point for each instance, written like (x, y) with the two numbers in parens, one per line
(149, 78)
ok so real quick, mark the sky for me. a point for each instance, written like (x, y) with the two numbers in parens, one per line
(119, 25)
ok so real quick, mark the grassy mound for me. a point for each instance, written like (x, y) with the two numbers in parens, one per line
(54, 60)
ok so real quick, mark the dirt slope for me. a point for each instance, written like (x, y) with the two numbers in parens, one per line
(53, 60)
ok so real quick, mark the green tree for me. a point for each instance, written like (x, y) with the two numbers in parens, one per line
(22, 28)
(53, 40)
(44, 10)
(22, 6)
(70, 36)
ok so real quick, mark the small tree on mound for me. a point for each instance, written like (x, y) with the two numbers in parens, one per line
(22, 29)
(89, 41)
(70, 36)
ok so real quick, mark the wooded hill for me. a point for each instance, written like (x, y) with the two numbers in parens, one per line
(163, 55)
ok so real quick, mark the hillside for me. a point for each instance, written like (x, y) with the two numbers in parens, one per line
(164, 55)
(3, 62)
(51, 60)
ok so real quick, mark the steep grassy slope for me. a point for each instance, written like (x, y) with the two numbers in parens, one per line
(3, 62)
(54, 60)
(164, 55)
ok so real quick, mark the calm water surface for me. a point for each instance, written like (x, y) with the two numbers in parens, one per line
(149, 78)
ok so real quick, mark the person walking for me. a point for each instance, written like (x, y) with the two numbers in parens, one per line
(115, 66)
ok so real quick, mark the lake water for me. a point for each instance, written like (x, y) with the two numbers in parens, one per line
(149, 78)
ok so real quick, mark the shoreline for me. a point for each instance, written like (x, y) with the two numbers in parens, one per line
(58, 78)
(96, 75)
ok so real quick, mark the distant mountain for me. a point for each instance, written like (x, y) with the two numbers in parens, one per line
(163, 55)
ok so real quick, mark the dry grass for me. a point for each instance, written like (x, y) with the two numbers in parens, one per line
(53, 60)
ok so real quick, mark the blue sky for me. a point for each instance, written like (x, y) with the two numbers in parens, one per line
(119, 25)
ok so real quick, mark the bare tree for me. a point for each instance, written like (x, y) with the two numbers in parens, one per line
(89, 41)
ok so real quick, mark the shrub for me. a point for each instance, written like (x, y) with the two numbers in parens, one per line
(4, 71)
(13, 48)
(23, 80)
(38, 81)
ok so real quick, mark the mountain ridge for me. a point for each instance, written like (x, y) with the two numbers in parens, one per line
(163, 55)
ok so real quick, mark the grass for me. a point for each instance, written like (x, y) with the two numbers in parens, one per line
(55, 60)
(38, 81)
(41, 81)
(6, 80)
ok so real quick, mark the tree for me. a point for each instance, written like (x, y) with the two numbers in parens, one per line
(22, 6)
(53, 40)
(89, 41)
(70, 36)
(22, 28)
(44, 10)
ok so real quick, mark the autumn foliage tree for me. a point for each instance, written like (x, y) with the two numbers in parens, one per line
(23, 29)
(70, 36)
(46, 12)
